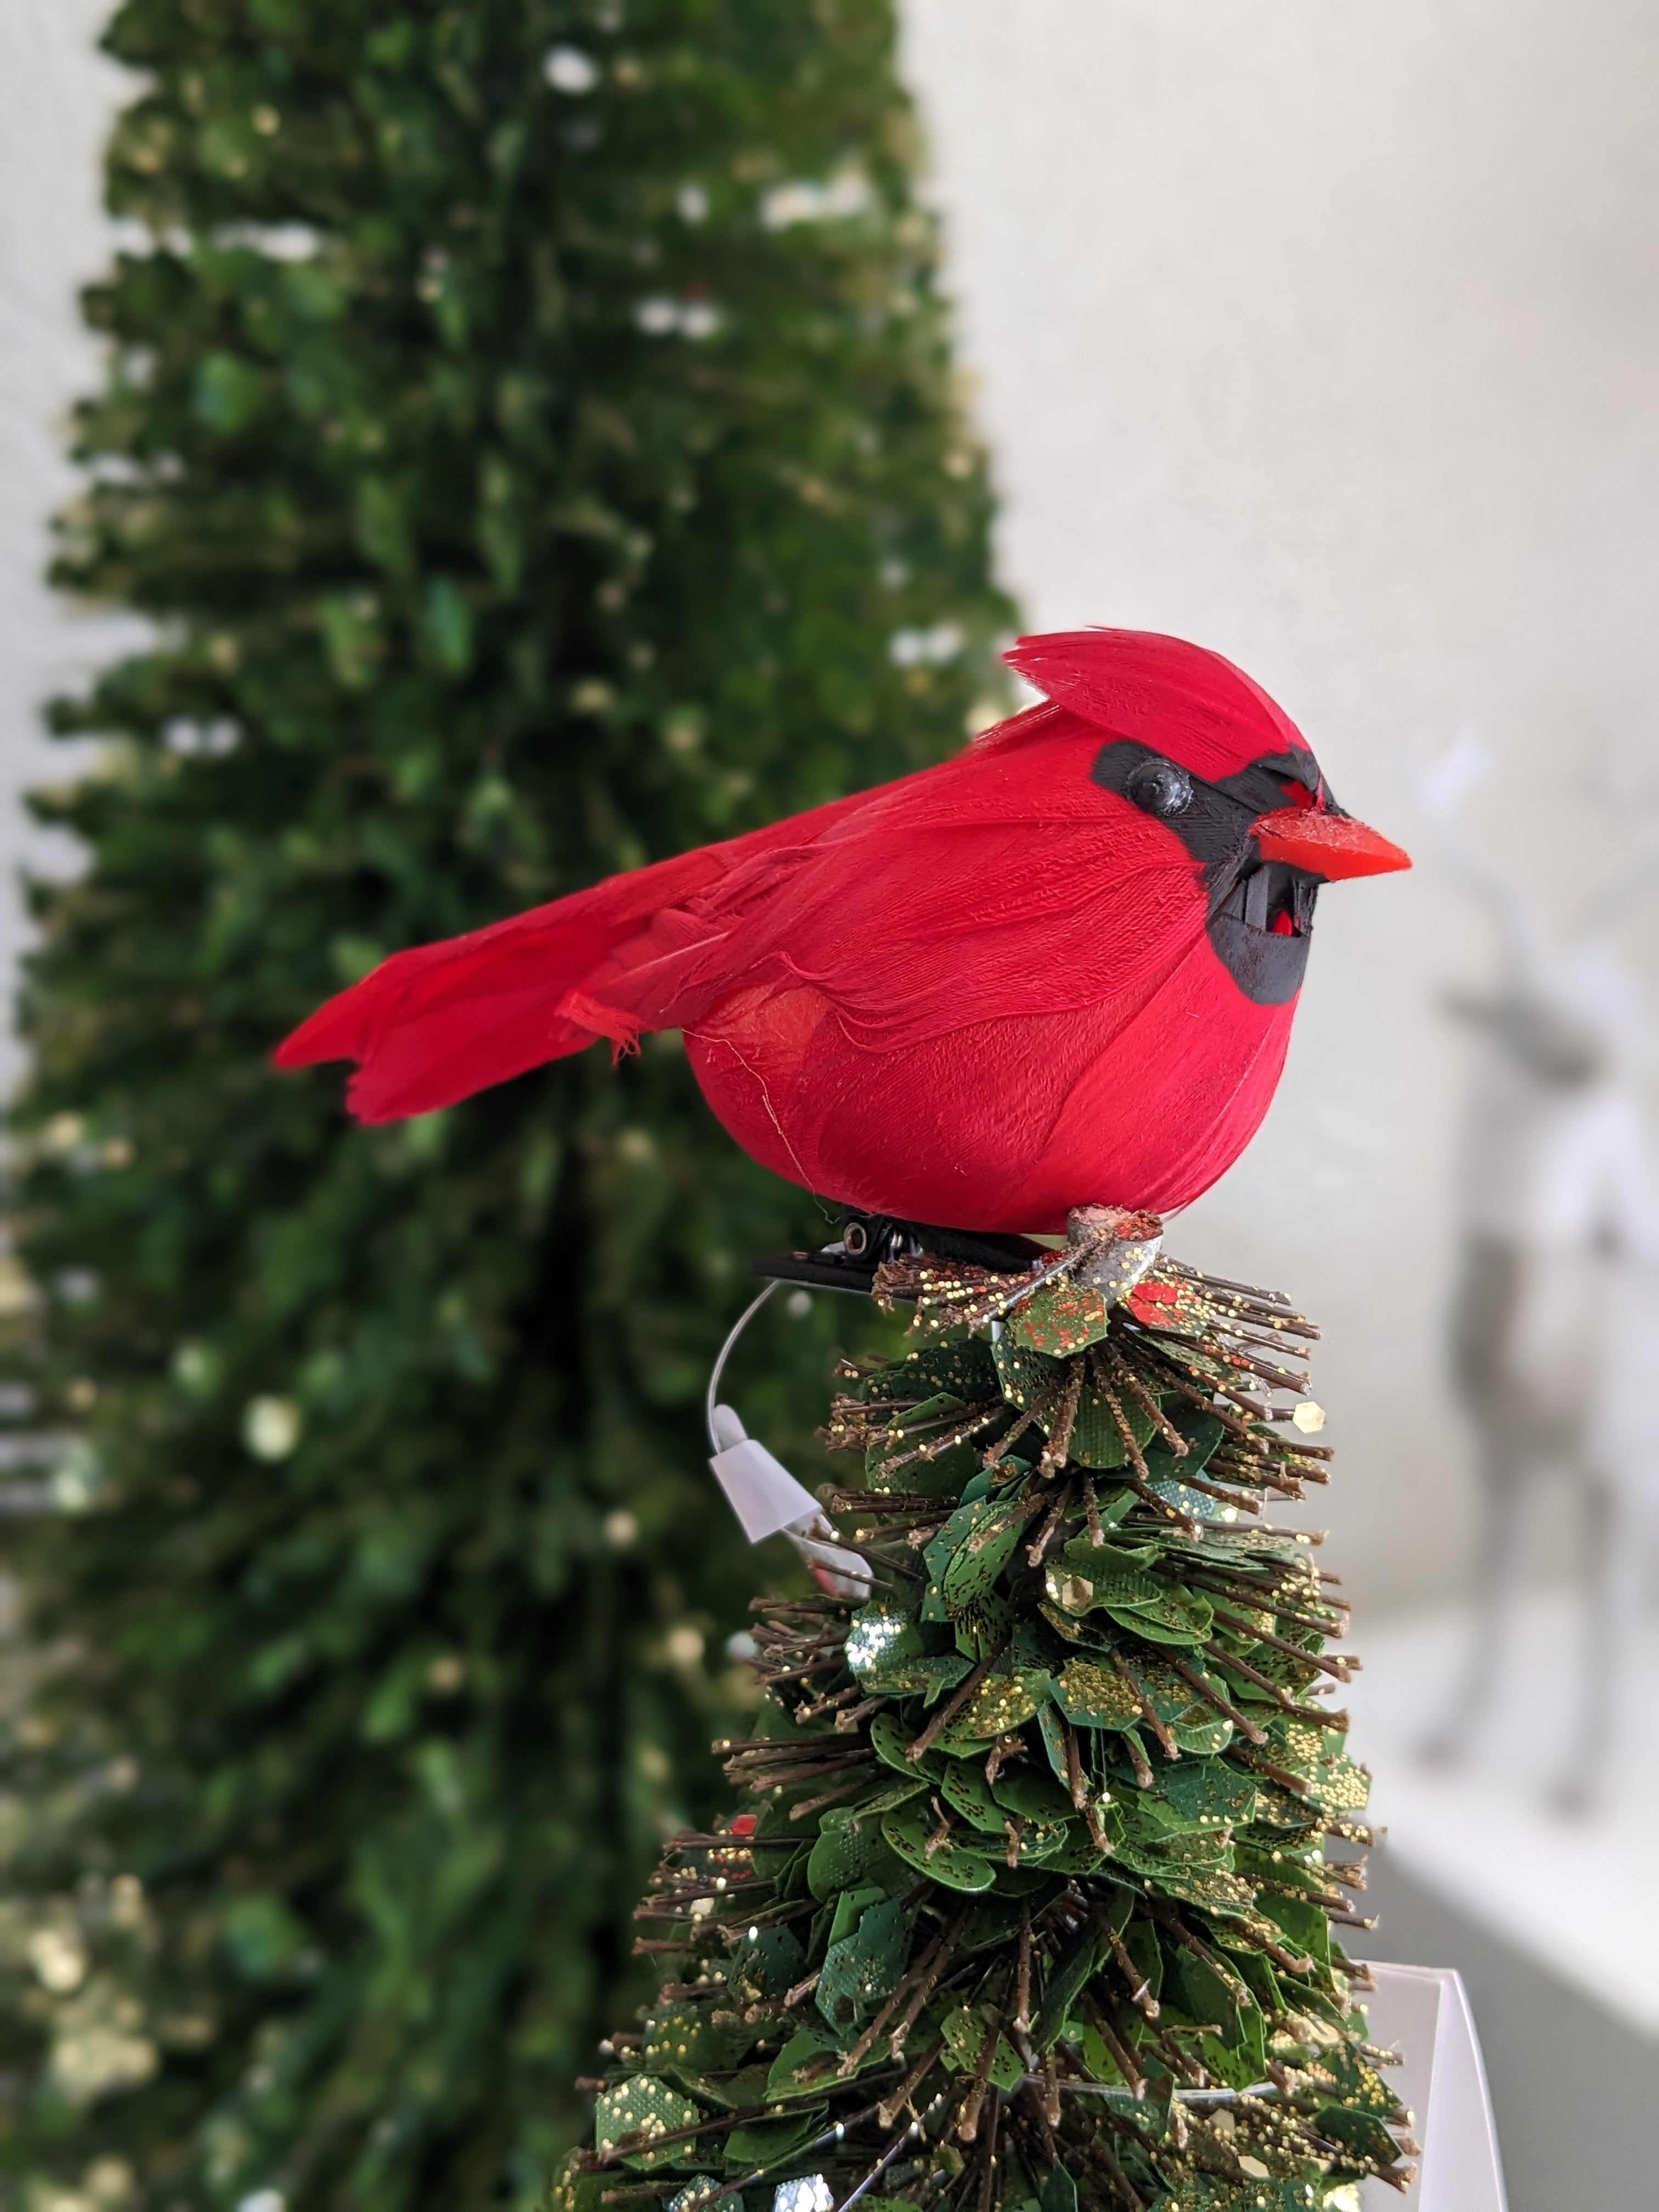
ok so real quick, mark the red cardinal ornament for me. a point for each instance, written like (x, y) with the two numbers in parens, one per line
(1058, 970)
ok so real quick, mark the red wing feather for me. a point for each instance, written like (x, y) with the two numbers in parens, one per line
(433, 1024)
(990, 885)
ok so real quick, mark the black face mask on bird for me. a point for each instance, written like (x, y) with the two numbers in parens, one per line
(1267, 836)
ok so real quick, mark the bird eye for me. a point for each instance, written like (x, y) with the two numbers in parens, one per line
(1158, 786)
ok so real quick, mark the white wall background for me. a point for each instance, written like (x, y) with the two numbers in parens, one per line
(57, 96)
(1327, 336)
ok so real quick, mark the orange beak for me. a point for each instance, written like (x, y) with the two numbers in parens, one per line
(1328, 845)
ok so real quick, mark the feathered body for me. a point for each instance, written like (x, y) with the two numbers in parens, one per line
(978, 996)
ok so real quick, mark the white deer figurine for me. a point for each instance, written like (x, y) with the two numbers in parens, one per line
(1555, 1321)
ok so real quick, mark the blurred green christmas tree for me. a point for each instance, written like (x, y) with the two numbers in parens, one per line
(531, 431)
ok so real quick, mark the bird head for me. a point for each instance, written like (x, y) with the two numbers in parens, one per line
(1189, 740)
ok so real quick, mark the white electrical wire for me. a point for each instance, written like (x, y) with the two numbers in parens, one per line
(726, 1352)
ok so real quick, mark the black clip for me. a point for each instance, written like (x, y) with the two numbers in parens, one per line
(867, 1239)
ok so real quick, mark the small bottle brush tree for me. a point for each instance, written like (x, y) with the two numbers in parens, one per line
(531, 431)
(1029, 1903)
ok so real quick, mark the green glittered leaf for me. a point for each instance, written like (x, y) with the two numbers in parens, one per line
(965, 1559)
(931, 1678)
(909, 1454)
(639, 2110)
(1281, 1812)
(692, 2038)
(1341, 1784)
(1205, 1736)
(1097, 1437)
(1239, 2058)
(952, 1864)
(1043, 1843)
(965, 1369)
(1197, 1870)
(996, 1920)
(1198, 2193)
(887, 1653)
(1205, 1794)
(764, 1964)
(995, 1622)
(879, 1636)
(1173, 1616)
(1171, 1475)
(1035, 1649)
(964, 2032)
(1173, 1697)
(574, 2191)
(1095, 1697)
(911, 1423)
(742, 2092)
(865, 1966)
(1360, 2085)
(890, 1739)
(1204, 1995)
(968, 1554)
(1194, 1505)
(1080, 1579)
(1202, 1433)
(866, 1809)
(966, 1791)
(1002, 1702)
(1081, 1576)
(1297, 1745)
(1077, 1628)
(1079, 1853)
(1071, 1969)
(1061, 1318)
(1113, 1504)
(1302, 1922)
(1098, 2063)
(1038, 1885)
(1053, 1730)
(1029, 1792)
(1026, 1377)
(1361, 2134)
(769, 2141)
(808, 2057)
(849, 1853)
(847, 1911)
(1059, 2192)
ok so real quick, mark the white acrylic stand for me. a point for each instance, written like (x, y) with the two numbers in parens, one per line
(1424, 2012)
